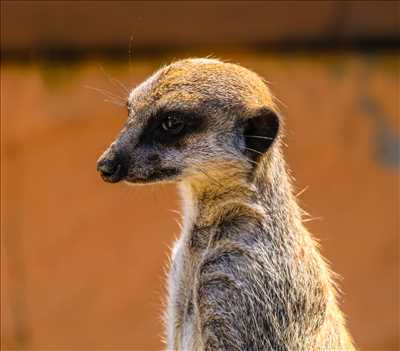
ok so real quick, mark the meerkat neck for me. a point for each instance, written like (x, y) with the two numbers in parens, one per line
(268, 191)
(207, 192)
(275, 191)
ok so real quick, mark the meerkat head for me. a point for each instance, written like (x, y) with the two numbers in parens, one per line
(195, 115)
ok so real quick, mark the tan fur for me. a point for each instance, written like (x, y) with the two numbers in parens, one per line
(245, 273)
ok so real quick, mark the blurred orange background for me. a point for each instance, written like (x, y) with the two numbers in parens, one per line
(82, 262)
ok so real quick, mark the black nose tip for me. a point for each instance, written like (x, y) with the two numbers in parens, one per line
(110, 170)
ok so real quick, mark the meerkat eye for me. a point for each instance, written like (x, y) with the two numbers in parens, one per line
(172, 124)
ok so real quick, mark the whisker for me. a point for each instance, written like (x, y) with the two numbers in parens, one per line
(236, 157)
(114, 81)
(249, 136)
(279, 101)
(130, 52)
(105, 93)
(312, 219)
(207, 175)
(101, 91)
(258, 137)
(176, 212)
(122, 85)
(302, 191)
(251, 161)
(257, 152)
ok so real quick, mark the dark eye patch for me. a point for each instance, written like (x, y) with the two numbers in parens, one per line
(154, 133)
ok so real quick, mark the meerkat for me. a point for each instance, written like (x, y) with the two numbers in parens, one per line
(245, 273)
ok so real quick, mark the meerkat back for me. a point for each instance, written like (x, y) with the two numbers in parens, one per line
(245, 273)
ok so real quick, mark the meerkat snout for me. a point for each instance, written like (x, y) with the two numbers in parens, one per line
(113, 163)
(110, 168)
(189, 117)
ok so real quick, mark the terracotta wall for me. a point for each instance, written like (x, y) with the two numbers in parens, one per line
(83, 261)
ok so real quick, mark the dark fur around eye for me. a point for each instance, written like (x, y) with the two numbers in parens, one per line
(153, 133)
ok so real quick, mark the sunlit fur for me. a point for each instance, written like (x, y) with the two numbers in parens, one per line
(245, 273)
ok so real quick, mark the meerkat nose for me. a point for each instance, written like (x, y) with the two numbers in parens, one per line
(110, 169)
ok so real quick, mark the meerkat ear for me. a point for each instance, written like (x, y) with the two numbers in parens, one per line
(260, 131)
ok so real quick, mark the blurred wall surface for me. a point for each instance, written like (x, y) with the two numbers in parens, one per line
(32, 25)
(82, 262)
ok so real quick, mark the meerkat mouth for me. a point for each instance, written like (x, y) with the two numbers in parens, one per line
(167, 174)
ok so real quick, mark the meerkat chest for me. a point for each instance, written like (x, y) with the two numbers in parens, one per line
(181, 319)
